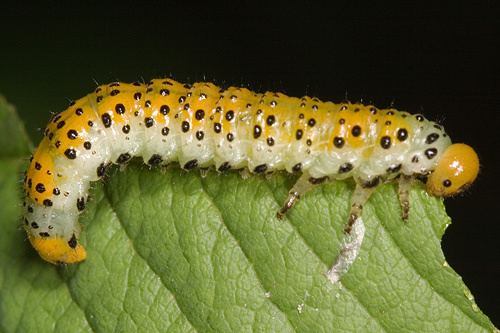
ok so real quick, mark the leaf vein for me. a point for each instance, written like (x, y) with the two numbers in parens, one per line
(108, 199)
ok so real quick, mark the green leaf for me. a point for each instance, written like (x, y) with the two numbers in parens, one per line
(170, 251)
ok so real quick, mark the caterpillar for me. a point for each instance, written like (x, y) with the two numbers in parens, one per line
(202, 126)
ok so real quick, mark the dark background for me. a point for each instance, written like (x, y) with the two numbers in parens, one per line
(438, 59)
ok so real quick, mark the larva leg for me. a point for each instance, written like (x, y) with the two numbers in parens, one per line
(404, 185)
(304, 184)
(354, 235)
(245, 173)
(204, 172)
(358, 199)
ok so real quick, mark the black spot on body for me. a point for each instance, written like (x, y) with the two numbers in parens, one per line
(34, 225)
(80, 203)
(164, 109)
(101, 170)
(47, 203)
(72, 242)
(137, 96)
(394, 168)
(431, 138)
(165, 131)
(385, 142)
(270, 120)
(257, 131)
(346, 167)
(87, 145)
(298, 134)
(44, 234)
(148, 121)
(155, 160)
(230, 137)
(199, 114)
(38, 166)
(79, 112)
(446, 183)
(270, 141)
(120, 108)
(72, 134)
(125, 157)
(338, 142)
(126, 129)
(185, 126)
(430, 153)
(106, 120)
(229, 115)
(40, 188)
(61, 124)
(297, 167)
(402, 134)
(316, 181)
(371, 183)
(217, 127)
(311, 122)
(164, 92)
(70, 153)
(56, 191)
(191, 164)
(260, 168)
(224, 167)
(114, 92)
(200, 135)
(356, 131)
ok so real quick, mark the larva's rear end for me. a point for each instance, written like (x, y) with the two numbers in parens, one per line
(51, 226)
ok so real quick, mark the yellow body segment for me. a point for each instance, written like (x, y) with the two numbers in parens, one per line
(39, 182)
(56, 250)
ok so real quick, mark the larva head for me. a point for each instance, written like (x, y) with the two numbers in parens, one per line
(57, 250)
(456, 170)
